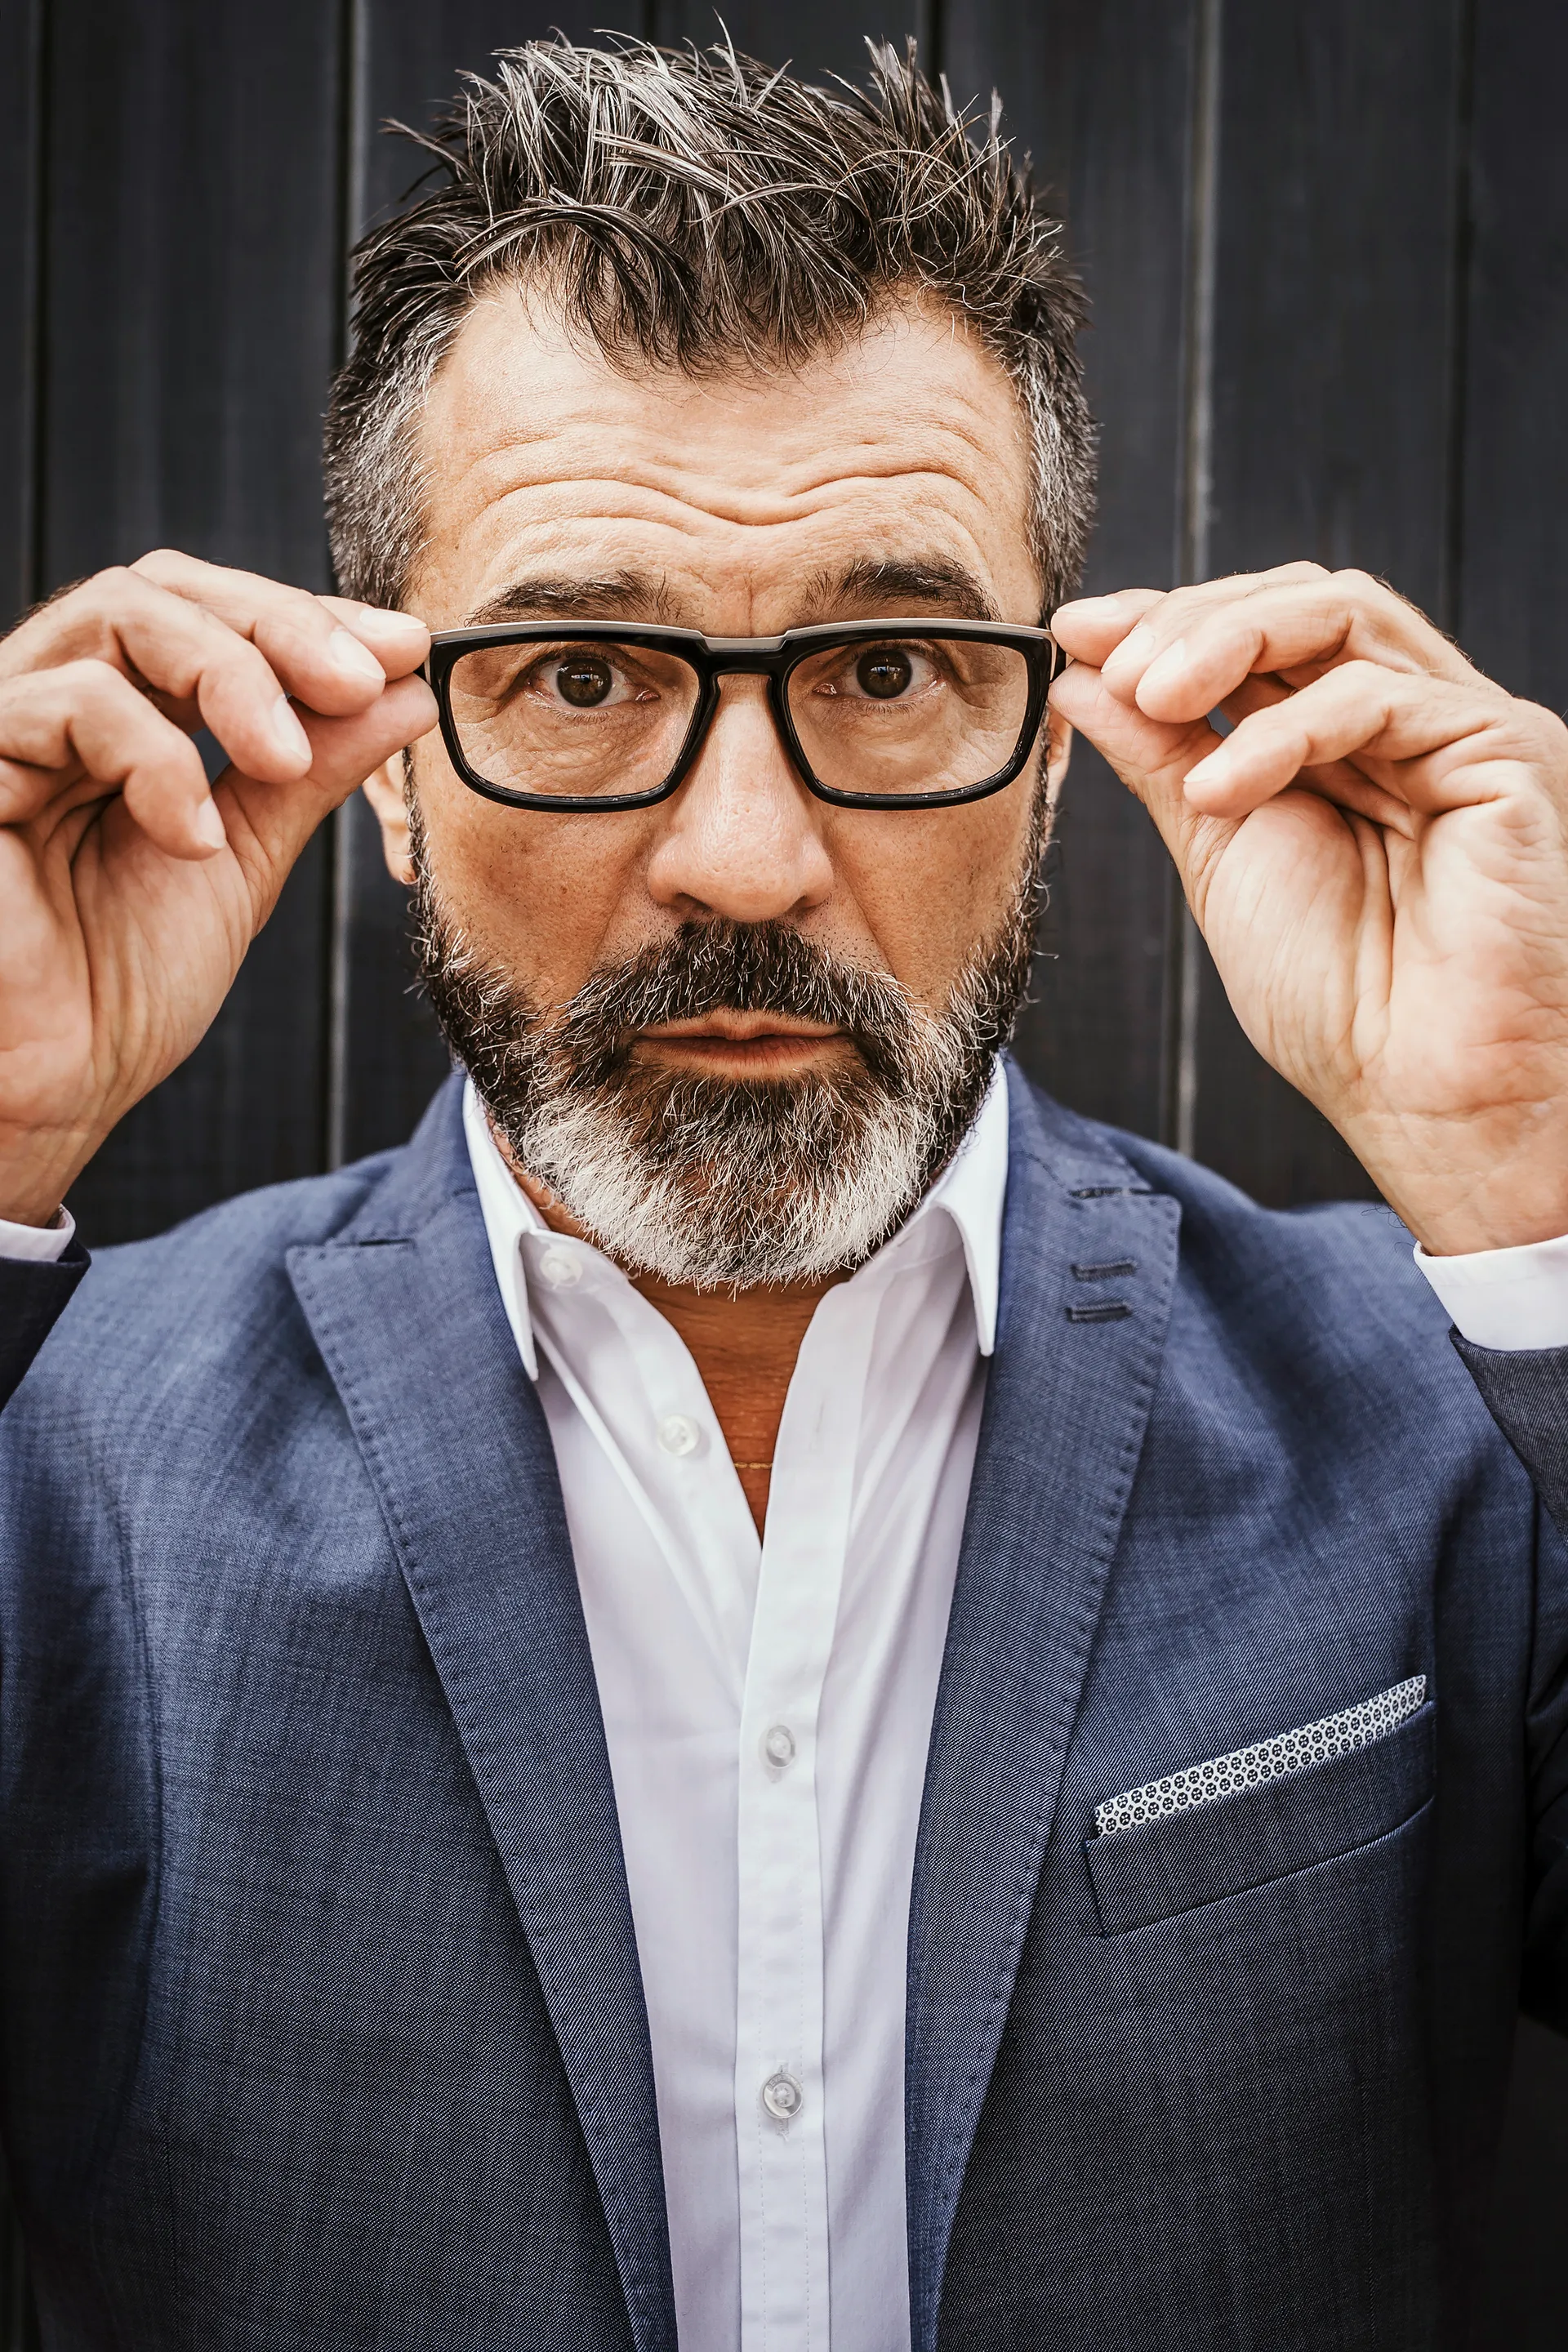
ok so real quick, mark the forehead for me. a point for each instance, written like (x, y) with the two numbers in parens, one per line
(733, 490)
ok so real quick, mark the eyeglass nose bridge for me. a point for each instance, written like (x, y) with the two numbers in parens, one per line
(764, 658)
(745, 656)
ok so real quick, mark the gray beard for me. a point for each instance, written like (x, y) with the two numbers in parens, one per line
(729, 1183)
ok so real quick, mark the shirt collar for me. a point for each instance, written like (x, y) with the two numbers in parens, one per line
(970, 1191)
(973, 1190)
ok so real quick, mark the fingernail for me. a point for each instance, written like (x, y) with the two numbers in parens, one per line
(1212, 769)
(376, 617)
(1137, 645)
(207, 826)
(1169, 663)
(290, 736)
(353, 660)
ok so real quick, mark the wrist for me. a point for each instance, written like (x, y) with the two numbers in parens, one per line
(1459, 1200)
(37, 1171)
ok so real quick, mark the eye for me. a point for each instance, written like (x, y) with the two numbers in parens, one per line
(586, 677)
(884, 672)
(583, 680)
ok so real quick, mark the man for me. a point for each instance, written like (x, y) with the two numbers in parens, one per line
(768, 1689)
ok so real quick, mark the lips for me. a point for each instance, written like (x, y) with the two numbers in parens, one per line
(757, 1042)
(735, 1028)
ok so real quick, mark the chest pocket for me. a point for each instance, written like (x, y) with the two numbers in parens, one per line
(1219, 1828)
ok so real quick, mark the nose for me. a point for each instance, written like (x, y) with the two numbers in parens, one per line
(742, 838)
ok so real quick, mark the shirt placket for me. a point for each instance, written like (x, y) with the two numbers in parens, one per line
(779, 2089)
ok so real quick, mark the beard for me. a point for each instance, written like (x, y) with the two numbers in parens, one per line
(726, 1183)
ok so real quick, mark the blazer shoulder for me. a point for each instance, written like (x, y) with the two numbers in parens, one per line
(212, 1298)
(209, 1305)
(1344, 1268)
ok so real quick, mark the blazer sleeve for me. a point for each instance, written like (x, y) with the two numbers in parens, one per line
(33, 1297)
(1526, 1393)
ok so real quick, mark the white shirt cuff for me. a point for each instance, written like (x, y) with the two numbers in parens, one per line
(1505, 1298)
(42, 1244)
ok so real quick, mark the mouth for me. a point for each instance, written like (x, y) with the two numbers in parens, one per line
(725, 1044)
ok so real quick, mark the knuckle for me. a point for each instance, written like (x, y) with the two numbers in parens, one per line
(297, 608)
(113, 589)
(113, 595)
(90, 682)
(1550, 730)
(1361, 674)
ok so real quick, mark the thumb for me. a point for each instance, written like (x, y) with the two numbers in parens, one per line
(269, 825)
(1152, 757)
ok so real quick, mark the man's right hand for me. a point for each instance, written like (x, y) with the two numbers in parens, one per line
(129, 893)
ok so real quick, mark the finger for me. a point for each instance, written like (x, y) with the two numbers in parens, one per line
(1347, 786)
(1151, 759)
(1158, 619)
(1090, 627)
(1196, 655)
(202, 670)
(1419, 738)
(333, 654)
(85, 725)
(398, 640)
(267, 826)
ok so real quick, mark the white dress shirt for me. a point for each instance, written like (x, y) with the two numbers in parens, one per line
(768, 1710)
(768, 1706)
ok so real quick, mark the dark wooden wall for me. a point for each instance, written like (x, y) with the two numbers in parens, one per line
(1327, 242)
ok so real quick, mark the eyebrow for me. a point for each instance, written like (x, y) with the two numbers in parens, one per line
(600, 597)
(875, 586)
(886, 585)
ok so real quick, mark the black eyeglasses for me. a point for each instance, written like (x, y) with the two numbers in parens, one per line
(595, 716)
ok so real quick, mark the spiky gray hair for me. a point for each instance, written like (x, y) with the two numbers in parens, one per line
(691, 209)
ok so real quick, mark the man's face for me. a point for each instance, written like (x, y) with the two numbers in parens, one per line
(891, 478)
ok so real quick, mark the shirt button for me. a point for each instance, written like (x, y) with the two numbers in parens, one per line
(778, 1747)
(678, 1433)
(783, 2097)
(559, 1268)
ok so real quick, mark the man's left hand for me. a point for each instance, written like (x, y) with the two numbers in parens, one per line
(1377, 856)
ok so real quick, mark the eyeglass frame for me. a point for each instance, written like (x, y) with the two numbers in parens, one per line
(775, 658)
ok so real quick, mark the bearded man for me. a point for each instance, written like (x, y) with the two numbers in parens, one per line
(768, 1691)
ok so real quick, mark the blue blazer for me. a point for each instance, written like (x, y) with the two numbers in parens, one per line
(322, 2021)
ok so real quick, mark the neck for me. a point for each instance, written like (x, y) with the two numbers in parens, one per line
(744, 1344)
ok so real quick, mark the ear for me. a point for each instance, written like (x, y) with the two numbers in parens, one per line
(1059, 752)
(383, 788)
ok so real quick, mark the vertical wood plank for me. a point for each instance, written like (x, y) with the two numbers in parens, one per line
(1510, 614)
(1334, 376)
(190, 299)
(815, 36)
(387, 1057)
(21, 128)
(1099, 92)
(1511, 604)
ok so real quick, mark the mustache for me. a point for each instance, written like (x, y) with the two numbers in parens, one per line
(719, 965)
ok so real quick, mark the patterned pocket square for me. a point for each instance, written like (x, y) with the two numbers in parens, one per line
(1266, 1759)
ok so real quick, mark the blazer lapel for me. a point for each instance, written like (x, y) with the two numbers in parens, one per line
(1067, 1402)
(404, 1308)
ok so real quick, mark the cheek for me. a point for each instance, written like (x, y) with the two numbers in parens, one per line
(931, 888)
(544, 897)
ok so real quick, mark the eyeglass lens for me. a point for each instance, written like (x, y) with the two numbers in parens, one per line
(911, 715)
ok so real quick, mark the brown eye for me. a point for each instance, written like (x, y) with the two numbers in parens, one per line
(884, 672)
(582, 681)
